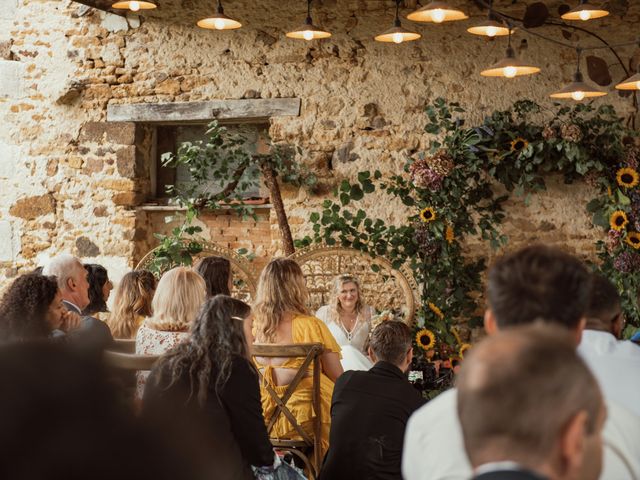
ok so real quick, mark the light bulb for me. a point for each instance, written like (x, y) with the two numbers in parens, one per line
(577, 96)
(638, 85)
(510, 72)
(134, 6)
(584, 15)
(307, 35)
(492, 31)
(438, 15)
(397, 37)
(218, 24)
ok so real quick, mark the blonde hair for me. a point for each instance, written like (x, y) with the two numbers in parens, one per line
(334, 306)
(178, 297)
(281, 289)
(132, 301)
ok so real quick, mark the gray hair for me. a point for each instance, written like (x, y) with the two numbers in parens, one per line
(63, 267)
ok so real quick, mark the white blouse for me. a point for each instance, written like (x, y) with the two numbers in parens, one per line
(357, 337)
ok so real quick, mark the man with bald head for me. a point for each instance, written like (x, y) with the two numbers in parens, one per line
(526, 419)
(74, 290)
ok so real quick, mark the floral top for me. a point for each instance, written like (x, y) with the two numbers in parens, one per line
(150, 341)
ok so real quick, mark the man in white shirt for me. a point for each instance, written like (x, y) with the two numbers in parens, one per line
(615, 363)
(537, 282)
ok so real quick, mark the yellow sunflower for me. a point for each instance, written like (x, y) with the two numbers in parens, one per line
(449, 234)
(633, 239)
(519, 144)
(463, 349)
(618, 220)
(425, 339)
(627, 177)
(436, 310)
(428, 215)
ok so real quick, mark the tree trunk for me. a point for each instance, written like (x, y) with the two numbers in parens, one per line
(270, 180)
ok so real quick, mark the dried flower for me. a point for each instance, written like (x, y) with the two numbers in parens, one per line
(632, 157)
(613, 240)
(627, 262)
(549, 132)
(423, 176)
(571, 133)
(592, 177)
(441, 163)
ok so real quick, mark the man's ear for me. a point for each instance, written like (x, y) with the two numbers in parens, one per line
(372, 356)
(572, 445)
(409, 356)
(71, 284)
(490, 325)
(579, 329)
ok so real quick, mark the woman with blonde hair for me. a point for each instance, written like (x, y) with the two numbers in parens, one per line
(132, 303)
(176, 302)
(349, 320)
(280, 316)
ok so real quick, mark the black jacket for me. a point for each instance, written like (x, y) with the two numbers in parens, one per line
(509, 475)
(222, 439)
(369, 413)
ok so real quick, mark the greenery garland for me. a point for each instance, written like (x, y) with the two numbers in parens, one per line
(450, 192)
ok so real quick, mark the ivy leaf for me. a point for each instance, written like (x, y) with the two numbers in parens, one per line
(344, 198)
(314, 217)
(356, 193)
(535, 16)
(598, 71)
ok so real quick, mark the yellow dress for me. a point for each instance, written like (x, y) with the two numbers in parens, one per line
(304, 329)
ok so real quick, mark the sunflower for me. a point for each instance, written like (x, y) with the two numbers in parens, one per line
(519, 144)
(618, 220)
(627, 177)
(449, 234)
(436, 310)
(428, 215)
(463, 349)
(633, 239)
(425, 339)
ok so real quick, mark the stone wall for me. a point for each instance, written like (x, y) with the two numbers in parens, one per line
(70, 181)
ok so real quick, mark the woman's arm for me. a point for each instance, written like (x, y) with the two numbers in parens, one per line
(331, 365)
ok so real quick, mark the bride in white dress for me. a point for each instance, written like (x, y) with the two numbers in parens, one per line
(349, 320)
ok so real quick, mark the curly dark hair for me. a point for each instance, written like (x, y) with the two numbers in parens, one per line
(97, 278)
(24, 306)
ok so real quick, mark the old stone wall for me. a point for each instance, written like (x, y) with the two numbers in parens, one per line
(70, 181)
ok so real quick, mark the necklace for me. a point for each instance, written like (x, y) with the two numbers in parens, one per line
(349, 333)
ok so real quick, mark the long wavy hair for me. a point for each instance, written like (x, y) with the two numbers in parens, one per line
(132, 301)
(97, 278)
(335, 308)
(281, 289)
(216, 272)
(217, 336)
(179, 295)
(24, 307)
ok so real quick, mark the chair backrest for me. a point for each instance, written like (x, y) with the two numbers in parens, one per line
(129, 361)
(124, 345)
(310, 352)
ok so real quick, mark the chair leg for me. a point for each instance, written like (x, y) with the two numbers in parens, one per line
(308, 464)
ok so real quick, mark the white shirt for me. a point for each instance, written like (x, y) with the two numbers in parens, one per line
(616, 366)
(434, 448)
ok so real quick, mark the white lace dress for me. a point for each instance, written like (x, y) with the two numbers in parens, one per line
(351, 343)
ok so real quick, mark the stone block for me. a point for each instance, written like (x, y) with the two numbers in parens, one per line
(86, 248)
(10, 79)
(128, 199)
(126, 161)
(8, 9)
(9, 158)
(33, 207)
(5, 50)
(121, 133)
(6, 241)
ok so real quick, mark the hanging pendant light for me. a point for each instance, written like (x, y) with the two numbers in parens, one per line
(219, 21)
(585, 11)
(437, 12)
(510, 66)
(489, 28)
(631, 83)
(308, 31)
(578, 89)
(134, 5)
(397, 34)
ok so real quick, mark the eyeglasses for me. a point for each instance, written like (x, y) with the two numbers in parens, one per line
(238, 318)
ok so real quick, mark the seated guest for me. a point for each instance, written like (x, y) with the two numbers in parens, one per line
(132, 303)
(369, 410)
(527, 419)
(176, 302)
(536, 282)
(74, 290)
(99, 289)
(216, 272)
(612, 361)
(32, 308)
(280, 316)
(205, 394)
(349, 320)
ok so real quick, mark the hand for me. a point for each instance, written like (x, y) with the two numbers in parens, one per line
(70, 321)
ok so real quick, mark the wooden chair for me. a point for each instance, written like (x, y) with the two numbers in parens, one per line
(129, 361)
(124, 345)
(310, 352)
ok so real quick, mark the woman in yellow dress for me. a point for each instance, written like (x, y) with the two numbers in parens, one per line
(280, 316)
